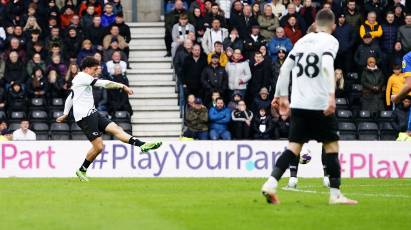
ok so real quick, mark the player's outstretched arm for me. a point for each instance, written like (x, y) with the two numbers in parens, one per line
(113, 85)
(404, 91)
(67, 107)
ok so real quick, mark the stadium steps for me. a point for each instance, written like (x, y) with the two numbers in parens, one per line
(155, 101)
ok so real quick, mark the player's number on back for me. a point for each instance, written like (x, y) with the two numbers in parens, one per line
(311, 68)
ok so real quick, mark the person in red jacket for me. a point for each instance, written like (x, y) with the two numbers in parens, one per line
(292, 30)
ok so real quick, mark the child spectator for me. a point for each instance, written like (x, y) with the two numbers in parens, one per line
(262, 125)
(395, 84)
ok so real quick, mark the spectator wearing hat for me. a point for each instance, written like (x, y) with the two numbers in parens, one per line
(197, 121)
(239, 74)
(232, 105)
(261, 100)
(124, 29)
(212, 35)
(108, 17)
(261, 77)
(372, 80)
(219, 117)
(241, 121)
(180, 32)
(400, 115)
(292, 30)
(16, 98)
(262, 125)
(233, 41)
(404, 34)
(253, 42)
(6, 135)
(371, 26)
(268, 22)
(366, 49)
(72, 44)
(24, 133)
(214, 78)
(194, 65)
(218, 50)
(345, 35)
(279, 42)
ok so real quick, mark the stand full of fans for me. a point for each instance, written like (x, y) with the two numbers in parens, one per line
(227, 55)
(42, 44)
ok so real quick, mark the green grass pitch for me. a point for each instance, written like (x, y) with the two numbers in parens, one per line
(181, 204)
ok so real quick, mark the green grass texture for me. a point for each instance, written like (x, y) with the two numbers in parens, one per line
(204, 203)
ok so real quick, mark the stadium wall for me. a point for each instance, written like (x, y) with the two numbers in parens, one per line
(197, 159)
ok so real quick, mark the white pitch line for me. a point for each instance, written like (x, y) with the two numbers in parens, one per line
(359, 185)
(355, 194)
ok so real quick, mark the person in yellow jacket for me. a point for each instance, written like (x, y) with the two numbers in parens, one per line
(218, 47)
(395, 84)
(371, 26)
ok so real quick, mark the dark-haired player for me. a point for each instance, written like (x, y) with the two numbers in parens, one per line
(311, 63)
(91, 122)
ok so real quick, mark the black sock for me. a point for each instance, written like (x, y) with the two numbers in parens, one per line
(85, 165)
(323, 160)
(294, 166)
(135, 141)
(282, 163)
(333, 169)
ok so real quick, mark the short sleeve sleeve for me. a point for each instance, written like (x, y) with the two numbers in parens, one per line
(332, 48)
(83, 80)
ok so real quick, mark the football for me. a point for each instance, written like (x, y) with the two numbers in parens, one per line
(305, 158)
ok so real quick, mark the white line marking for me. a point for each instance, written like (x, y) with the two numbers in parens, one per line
(359, 185)
(355, 194)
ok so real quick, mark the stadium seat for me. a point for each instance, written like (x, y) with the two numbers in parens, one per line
(104, 113)
(14, 126)
(41, 130)
(387, 132)
(347, 130)
(77, 133)
(352, 78)
(121, 116)
(385, 116)
(3, 115)
(364, 116)
(56, 104)
(38, 116)
(37, 103)
(16, 116)
(341, 103)
(368, 131)
(56, 114)
(60, 131)
(344, 115)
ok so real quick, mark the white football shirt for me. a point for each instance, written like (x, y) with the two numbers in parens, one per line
(310, 85)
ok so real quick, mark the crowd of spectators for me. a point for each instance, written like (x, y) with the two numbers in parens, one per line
(227, 55)
(42, 43)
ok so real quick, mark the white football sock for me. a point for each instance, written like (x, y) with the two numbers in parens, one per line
(335, 192)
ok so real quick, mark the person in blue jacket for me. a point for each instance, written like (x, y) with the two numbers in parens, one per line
(219, 116)
(280, 41)
(108, 17)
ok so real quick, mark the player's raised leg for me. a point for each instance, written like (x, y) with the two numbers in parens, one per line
(91, 155)
(119, 133)
(269, 188)
(334, 171)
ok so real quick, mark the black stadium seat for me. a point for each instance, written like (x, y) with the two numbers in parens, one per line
(16, 116)
(77, 133)
(344, 115)
(364, 116)
(347, 130)
(385, 116)
(387, 132)
(3, 115)
(41, 130)
(121, 116)
(368, 131)
(38, 116)
(60, 131)
(37, 103)
(341, 103)
(56, 114)
(14, 126)
(56, 104)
